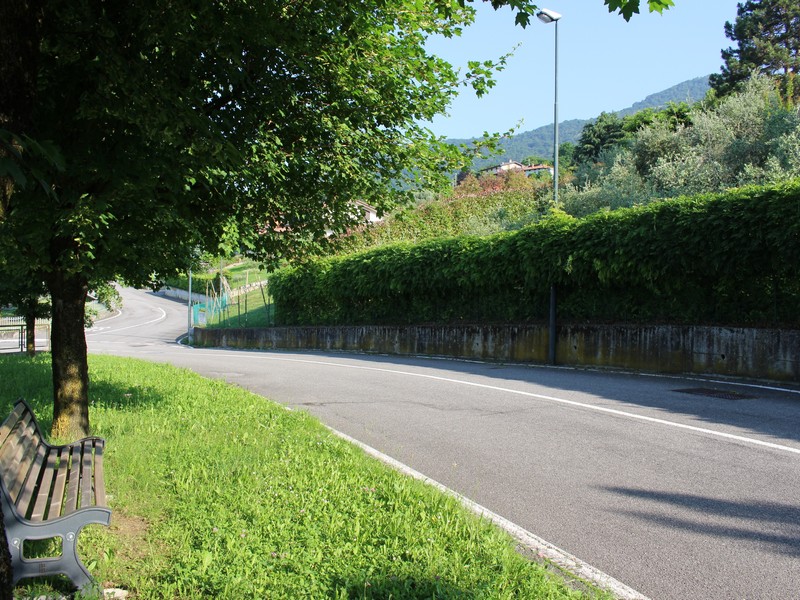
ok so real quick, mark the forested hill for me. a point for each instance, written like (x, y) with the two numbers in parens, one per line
(539, 142)
(689, 91)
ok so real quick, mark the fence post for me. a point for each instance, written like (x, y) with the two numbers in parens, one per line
(552, 334)
(189, 332)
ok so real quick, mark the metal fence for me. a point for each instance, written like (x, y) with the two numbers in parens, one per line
(246, 306)
(12, 334)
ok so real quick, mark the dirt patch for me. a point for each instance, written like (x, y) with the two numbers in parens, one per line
(132, 546)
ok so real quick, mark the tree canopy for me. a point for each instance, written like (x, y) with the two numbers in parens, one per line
(627, 8)
(767, 33)
(170, 129)
(134, 135)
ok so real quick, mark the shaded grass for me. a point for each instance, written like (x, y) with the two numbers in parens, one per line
(219, 493)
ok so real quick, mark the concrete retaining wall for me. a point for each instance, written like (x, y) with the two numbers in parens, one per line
(760, 353)
(179, 294)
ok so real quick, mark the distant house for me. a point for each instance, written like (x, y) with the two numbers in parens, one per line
(369, 213)
(513, 165)
(363, 211)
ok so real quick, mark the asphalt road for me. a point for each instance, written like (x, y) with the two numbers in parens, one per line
(676, 494)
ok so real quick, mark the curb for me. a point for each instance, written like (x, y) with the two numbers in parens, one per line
(542, 548)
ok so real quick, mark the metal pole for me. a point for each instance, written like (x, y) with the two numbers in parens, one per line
(555, 127)
(552, 345)
(551, 354)
(189, 333)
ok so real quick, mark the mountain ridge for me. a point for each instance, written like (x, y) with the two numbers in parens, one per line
(539, 141)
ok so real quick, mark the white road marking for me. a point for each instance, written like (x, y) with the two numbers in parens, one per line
(583, 405)
(543, 548)
(156, 320)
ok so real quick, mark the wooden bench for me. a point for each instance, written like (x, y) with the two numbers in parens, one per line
(49, 492)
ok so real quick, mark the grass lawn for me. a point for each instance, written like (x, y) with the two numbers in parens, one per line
(219, 493)
(247, 310)
(243, 272)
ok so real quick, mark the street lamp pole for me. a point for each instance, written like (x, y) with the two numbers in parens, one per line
(555, 122)
(550, 16)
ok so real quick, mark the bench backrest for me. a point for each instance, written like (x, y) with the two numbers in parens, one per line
(43, 481)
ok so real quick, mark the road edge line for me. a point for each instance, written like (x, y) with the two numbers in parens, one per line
(562, 559)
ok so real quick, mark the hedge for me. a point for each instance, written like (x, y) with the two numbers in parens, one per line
(731, 258)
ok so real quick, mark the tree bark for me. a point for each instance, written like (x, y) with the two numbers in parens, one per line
(30, 310)
(68, 349)
(30, 334)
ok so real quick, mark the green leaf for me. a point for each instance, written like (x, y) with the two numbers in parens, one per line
(10, 168)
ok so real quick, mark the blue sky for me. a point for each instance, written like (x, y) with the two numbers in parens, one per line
(604, 62)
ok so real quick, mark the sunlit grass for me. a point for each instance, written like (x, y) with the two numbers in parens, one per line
(254, 309)
(219, 493)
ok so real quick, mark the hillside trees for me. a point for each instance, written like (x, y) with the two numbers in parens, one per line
(604, 132)
(610, 130)
(749, 137)
(767, 33)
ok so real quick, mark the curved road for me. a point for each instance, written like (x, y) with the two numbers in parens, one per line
(676, 493)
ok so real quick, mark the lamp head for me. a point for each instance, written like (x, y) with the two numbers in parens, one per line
(546, 15)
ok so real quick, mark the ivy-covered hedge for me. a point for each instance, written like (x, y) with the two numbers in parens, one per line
(202, 282)
(730, 258)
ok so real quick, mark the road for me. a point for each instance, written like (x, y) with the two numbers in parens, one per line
(676, 494)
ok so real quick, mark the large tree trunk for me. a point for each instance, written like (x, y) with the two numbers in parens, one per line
(68, 347)
(30, 309)
(30, 334)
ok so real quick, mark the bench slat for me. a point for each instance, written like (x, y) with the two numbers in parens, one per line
(11, 421)
(8, 454)
(99, 480)
(11, 455)
(23, 459)
(46, 486)
(25, 498)
(57, 499)
(71, 502)
(86, 474)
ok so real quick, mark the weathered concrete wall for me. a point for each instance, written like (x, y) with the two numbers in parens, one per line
(761, 353)
(183, 295)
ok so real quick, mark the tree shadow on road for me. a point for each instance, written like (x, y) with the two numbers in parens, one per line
(773, 525)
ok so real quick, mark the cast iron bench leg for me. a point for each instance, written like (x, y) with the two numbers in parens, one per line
(67, 528)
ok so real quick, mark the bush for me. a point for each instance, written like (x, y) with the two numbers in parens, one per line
(464, 214)
(729, 258)
(621, 186)
(748, 138)
(729, 145)
(202, 283)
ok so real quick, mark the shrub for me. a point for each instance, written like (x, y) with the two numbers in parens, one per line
(725, 259)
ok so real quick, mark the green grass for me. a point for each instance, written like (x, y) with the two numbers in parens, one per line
(249, 312)
(246, 271)
(219, 493)
(238, 273)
